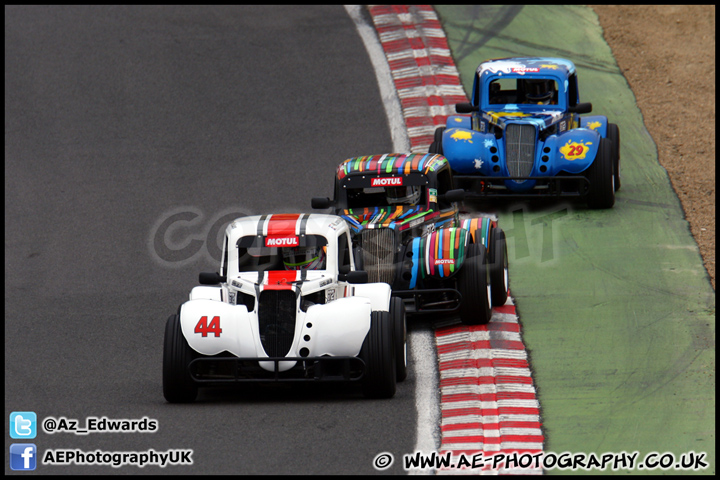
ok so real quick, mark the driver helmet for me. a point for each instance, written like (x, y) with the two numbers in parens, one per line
(303, 258)
(539, 91)
(403, 195)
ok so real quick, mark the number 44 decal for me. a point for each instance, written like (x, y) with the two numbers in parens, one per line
(204, 327)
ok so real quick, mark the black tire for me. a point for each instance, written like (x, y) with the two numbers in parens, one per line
(178, 387)
(613, 134)
(378, 353)
(602, 178)
(397, 313)
(499, 279)
(436, 145)
(474, 286)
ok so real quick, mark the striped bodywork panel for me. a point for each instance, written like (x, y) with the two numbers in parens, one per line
(391, 163)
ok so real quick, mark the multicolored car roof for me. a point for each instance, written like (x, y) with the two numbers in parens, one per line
(398, 163)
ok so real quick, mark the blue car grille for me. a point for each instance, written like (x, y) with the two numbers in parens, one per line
(276, 319)
(520, 149)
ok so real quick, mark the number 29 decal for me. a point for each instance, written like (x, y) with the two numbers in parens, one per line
(204, 327)
(572, 150)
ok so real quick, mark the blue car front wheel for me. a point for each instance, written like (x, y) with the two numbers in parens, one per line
(613, 134)
(601, 176)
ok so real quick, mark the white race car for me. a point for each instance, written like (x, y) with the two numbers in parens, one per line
(287, 305)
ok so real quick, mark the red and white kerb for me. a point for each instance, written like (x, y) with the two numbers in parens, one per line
(422, 68)
(488, 399)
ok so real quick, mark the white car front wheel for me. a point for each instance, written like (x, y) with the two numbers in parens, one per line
(378, 352)
(178, 386)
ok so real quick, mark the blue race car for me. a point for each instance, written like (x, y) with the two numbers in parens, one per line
(522, 135)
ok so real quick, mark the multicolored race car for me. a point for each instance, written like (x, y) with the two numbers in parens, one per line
(403, 212)
(522, 135)
(288, 305)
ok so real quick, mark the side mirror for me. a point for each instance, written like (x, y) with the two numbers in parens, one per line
(207, 278)
(466, 108)
(356, 276)
(457, 195)
(581, 108)
(321, 203)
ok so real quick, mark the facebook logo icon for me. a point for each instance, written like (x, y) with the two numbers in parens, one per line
(23, 425)
(23, 456)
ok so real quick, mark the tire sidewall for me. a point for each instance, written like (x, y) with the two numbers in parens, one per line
(473, 279)
(499, 279)
(398, 316)
(378, 354)
(613, 134)
(601, 177)
(178, 386)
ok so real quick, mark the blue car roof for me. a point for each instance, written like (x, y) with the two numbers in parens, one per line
(541, 66)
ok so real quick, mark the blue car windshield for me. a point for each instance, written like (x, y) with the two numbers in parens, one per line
(523, 91)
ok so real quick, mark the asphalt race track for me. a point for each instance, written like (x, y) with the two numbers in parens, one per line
(131, 134)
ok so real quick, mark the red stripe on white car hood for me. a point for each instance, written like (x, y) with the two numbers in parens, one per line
(280, 279)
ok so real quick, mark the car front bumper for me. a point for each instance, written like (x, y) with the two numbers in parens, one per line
(219, 370)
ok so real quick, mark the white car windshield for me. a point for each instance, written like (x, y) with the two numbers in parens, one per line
(282, 253)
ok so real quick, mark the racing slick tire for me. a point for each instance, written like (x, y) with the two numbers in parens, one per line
(436, 145)
(499, 279)
(378, 353)
(178, 386)
(397, 313)
(601, 177)
(613, 134)
(474, 285)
